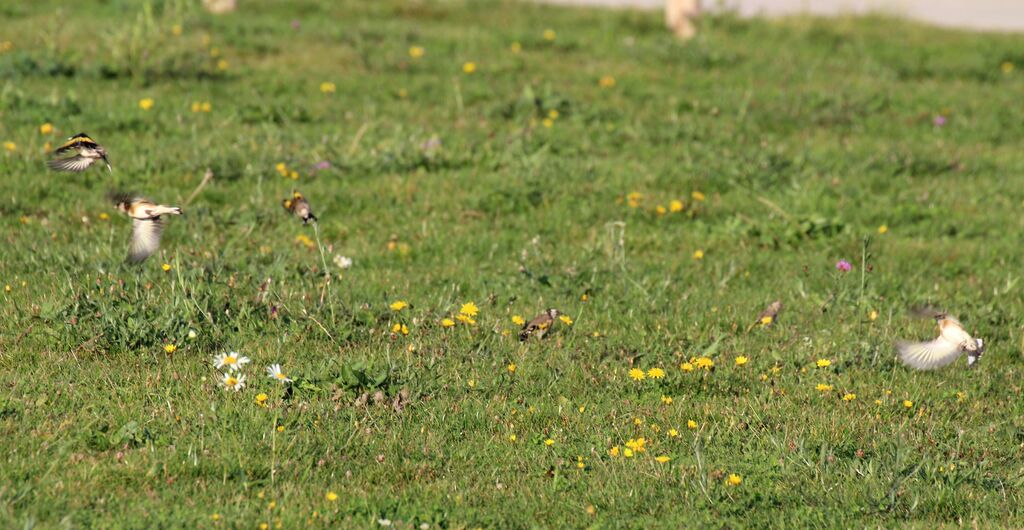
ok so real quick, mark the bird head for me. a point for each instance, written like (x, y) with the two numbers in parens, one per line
(553, 313)
(122, 201)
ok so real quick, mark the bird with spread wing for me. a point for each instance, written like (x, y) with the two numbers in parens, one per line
(147, 223)
(952, 341)
(77, 154)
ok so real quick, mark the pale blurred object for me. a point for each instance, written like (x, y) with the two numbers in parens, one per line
(219, 7)
(680, 16)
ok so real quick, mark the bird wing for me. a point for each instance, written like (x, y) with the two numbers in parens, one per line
(145, 238)
(76, 141)
(74, 164)
(539, 322)
(928, 355)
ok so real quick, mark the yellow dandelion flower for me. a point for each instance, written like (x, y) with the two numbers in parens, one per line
(907, 403)
(331, 496)
(553, 114)
(676, 206)
(549, 442)
(328, 87)
(666, 400)
(662, 459)
(1006, 67)
(10, 146)
(775, 369)
(878, 402)
(469, 309)
(207, 106)
(512, 438)
(146, 103)
(637, 374)
(698, 254)
(705, 363)
(281, 168)
(606, 82)
(46, 128)
(686, 367)
(170, 348)
(261, 399)
(518, 320)
(222, 65)
(566, 319)
(294, 175)
(466, 319)
(672, 433)
(660, 210)
(399, 305)
(960, 396)
(280, 428)
(873, 315)
(166, 267)
(447, 322)
(614, 451)
(883, 229)
(547, 123)
(690, 424)
(579, 462)
(849, 396)
(417, 51)
(634, 199)
(741, 360)
(627, 452)
(515, 47)
(823, 363)
(176, 30)
(197, 106)
(822, 387)
(305, 241)
(215, 517)
(697, 196)
(469, 67)
(656, 373)
(549, 35)
(734, 480)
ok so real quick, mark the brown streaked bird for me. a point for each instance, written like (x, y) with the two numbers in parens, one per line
(539, 325)
(78, 154)
(299, 206)
(768, 316)
(147, 223)
(952, 341)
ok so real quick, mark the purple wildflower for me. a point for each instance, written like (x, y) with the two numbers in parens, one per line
(296, 24)
(323, 164)
(939, 120)
(843, 266)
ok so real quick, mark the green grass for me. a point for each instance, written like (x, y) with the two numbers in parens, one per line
(804, 135)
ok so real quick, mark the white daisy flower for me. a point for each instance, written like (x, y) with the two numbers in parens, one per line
(233, 382)
(274, 372)
(343, 262)
(230, 360)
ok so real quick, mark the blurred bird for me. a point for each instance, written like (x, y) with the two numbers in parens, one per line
(539, 325)
(77, 154)
(147, 223)
(951, 342)
(768, 316)
(299, 206)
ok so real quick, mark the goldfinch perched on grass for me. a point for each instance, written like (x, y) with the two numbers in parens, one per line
(77, 154)
(299, 206)
(768, 316)
(147, 223)
(539, 325)
(952, 341)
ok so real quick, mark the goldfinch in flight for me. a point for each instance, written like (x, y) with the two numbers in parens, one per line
(147, 224)
(78, 153)
(299, 206)
(952, 341)
(539, 325)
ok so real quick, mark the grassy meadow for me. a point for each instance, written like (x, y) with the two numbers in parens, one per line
(479, 162)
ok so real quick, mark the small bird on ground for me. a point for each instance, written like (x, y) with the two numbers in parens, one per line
(539, 325)
(768, 316)
(952, 341)
(77, 154)
(299, 206)
(147, 223)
